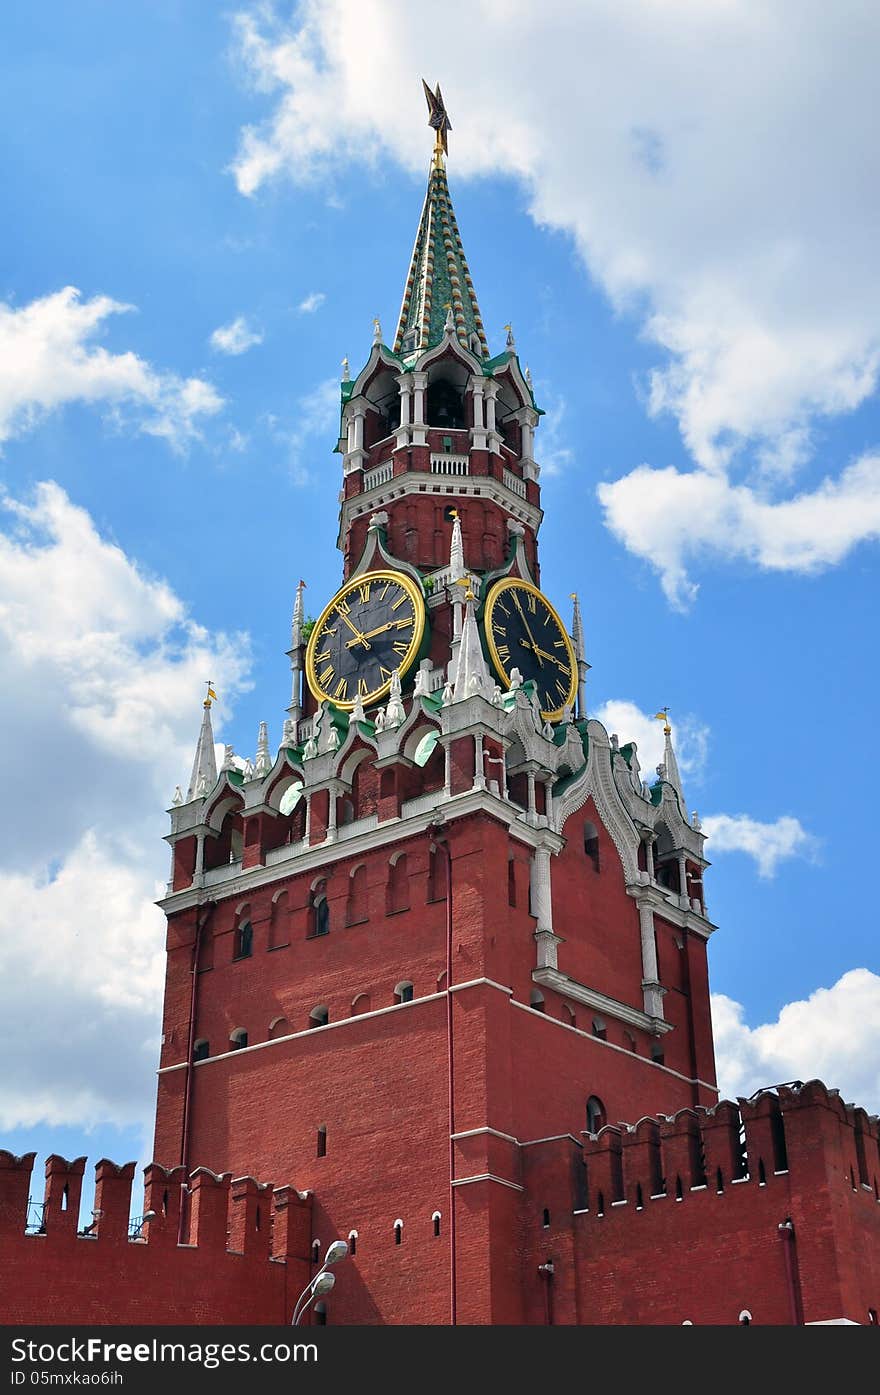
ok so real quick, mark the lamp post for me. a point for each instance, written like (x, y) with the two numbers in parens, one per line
(321, 1283)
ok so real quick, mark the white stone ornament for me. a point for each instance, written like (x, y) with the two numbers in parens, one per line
(497, 696)
(396, 713)
(377, 331)
(178, 795)
(333, 739)
(288, 735)
(447, 693)
(357, 710)
(202, 788)
(547, 732)
(263, 762)
(346, 374)
(228, 759)
(249, 772)
(380, 720)
(310, 750)
(516, 679)
(421, 688)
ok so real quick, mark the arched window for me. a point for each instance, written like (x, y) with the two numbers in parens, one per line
(658, 1055)
(435, 1221)
(536, 1000)
(629, 1041)
(352, 1243)
(201, 1050)
(238, 1039)
(545, 1219)
(745, 1318)
(319, 1016)
(316, 1252)
(511, 882)
(595, 1114)
(436, 875)
(445, 405)
(356, 901)
(279, 1027)
(600, 1030)
(569, 1015)
(398, 1232)
(244, 940)
(321, 1151)
(319, 911)
(591, 844)
(398, 885)
(403, 993)
(360, 1004)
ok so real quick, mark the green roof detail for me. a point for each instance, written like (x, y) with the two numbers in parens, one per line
(438, 277)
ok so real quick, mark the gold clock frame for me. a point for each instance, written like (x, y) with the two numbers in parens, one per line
(412, 589)
(515, 583)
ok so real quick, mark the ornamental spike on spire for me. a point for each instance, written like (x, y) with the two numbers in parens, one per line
(438, 273)
(204, 771)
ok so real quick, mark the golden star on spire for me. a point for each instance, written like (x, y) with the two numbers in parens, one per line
(438, 118)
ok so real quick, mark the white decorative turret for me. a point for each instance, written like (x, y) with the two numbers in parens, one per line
(346, 370)
(472, 674)
(577, 638)
(263, 762)
(377, 331)
(204, 771)
(228, 759)
(296, 655)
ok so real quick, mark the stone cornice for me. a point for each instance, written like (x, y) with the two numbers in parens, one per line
(609, 1007)
(354, 842)
(653, 895)
(424, 484)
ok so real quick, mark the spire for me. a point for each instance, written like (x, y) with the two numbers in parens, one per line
(438, 273)
(580, 653)
(472, 675)
(296, 629)
(263, 762)
(668, 771)
(456, 551)
(204, 771)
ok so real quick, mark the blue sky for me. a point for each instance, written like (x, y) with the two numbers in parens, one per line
(688, 264)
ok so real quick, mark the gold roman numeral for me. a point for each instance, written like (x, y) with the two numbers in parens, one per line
(400, 600)
(532, 602)
(343, 608)
(559, 644)
(503, 652)
(322, 657)
(327, 676)
(363, 689)
(386, 675)
(561, 688)
(400, 647)
(341, 689)
(364, 591)
(500, 630)
(385, 589)
(405, 623)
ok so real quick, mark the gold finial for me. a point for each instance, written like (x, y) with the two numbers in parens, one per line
(467, 581)
(211, 695)
(439, 120)
(663, 716)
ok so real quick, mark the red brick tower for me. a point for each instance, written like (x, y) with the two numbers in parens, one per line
(448, 923)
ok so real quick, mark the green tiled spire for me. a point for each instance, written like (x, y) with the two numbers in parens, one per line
(438, 279)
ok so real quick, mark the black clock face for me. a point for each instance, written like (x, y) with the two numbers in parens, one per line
(524, 632)
(373, 626)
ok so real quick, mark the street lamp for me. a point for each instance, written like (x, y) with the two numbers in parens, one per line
(321, 1283)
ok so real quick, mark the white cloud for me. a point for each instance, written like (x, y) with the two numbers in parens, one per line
(312, 302)
(101, 673)
(768, 843)
(690, 737)
(711, 165)
(669, 517)
(834, 1035)
(236, 337)
(49, 359)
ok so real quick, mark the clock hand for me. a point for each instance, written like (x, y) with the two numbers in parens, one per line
(358, 636)
(543, 654)
(528, 631)
(369, 634)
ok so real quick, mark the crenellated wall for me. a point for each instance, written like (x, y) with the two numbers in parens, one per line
(241, 1255)
(769, 1206)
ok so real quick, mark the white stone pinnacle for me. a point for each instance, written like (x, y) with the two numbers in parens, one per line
(457, 570)
(204, 771)
(263, 762)
(472, 675)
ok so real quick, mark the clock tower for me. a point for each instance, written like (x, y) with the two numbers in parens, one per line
(445, 921)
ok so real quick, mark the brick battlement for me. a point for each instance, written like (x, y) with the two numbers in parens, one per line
(241, 1253)
(762, 1205)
